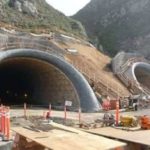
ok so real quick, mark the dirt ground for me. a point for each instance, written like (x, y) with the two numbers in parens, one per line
(95, 64)
(73, 116)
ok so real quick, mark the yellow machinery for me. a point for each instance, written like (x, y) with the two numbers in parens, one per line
(128, 121)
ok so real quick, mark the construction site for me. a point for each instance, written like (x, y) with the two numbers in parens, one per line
(58, 92)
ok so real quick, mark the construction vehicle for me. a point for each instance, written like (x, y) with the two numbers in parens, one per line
(134, 102)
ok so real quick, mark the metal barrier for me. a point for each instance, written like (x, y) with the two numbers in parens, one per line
(98, 80)
(13, 42)
(5, 122)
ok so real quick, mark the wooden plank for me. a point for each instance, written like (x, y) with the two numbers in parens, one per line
(129, 128)
(139, 137)
(62, 140)
(60, 126)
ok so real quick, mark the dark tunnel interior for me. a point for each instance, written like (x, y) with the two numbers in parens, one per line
(143, 76)
(35, 82)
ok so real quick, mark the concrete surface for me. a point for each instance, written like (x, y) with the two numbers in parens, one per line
(88, 117)
(140, 137)
(72, 140)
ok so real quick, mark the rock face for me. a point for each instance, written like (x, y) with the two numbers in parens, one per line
(24, 6)
(37, 16)
(116, 25)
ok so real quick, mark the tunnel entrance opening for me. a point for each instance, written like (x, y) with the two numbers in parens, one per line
(35, 82)
(143, 76)
(41, 78)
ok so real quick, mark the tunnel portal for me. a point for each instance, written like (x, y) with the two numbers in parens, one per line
(35, 82)
(40, 78)
(142, 74)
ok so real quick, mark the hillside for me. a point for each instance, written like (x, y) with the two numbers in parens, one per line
(114, 25)
(37, 16)
(94, 65)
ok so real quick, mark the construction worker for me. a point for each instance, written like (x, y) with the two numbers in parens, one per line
(106, 103)
(48, 116)
(106, 119)
(111, 119)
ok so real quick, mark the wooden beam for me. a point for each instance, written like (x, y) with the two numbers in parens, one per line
(139, 137)
(62, 140)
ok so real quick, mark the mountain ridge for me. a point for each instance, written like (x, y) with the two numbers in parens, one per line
(117, 25)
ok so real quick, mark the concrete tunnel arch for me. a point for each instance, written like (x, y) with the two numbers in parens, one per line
(84, 95)
(141, 73)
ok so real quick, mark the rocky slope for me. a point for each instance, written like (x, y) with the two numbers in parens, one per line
(115, 25)
(94, 65)
(37, 16)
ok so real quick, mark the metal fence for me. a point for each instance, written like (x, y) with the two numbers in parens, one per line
(15, 42)
(108, 86)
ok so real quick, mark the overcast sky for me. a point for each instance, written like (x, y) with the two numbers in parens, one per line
(68, 7)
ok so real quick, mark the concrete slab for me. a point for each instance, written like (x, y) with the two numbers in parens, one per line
(139, 137)
(62, 140)
(6, 145)
(129, 128)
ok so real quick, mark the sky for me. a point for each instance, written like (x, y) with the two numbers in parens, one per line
(68, 7)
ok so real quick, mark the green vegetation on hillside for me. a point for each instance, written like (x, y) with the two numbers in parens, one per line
(46, 19)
